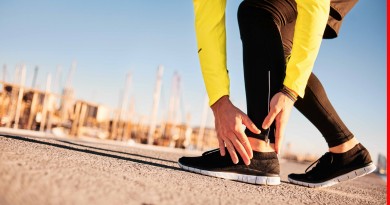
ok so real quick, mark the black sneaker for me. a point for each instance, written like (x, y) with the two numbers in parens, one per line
(264, 167)
(333, 168)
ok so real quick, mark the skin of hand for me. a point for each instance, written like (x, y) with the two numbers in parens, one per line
(280, 109)
(228, 124)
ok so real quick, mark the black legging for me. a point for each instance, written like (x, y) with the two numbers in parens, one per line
(267, 29)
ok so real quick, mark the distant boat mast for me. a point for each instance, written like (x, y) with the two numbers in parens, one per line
(156, 101)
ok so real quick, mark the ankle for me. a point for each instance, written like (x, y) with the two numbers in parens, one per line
(346, 146)
(260, 145)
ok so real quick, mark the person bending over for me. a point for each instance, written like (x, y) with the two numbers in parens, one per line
(281, 40)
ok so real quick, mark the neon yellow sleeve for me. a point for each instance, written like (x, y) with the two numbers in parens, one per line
(309, 29)
(211, 38)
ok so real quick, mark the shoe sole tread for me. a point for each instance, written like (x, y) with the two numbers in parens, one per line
(251, 179)
(345, 177)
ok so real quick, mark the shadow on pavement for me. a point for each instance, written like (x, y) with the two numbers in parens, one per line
(136, 155)
(94, 152)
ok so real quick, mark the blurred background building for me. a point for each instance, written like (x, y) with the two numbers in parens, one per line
(62, 115)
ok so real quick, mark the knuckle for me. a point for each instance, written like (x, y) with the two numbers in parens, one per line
(274, 109)
(222, 137)
(237, 129)
(243, 140)
(235, 143)
(229, 145)
(232, 136)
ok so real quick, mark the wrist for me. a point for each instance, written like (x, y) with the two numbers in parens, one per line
(220, 102)
(291, 90)
(289, 93)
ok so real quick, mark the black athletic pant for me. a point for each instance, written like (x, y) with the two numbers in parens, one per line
(267, 29)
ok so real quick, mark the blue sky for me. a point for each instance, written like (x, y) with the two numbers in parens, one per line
(109, 39)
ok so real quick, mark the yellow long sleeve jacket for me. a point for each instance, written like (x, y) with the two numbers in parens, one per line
(211, 37)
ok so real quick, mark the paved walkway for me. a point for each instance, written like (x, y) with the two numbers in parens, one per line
(56, 171)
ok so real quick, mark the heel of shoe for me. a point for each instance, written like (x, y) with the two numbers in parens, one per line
(365, 156)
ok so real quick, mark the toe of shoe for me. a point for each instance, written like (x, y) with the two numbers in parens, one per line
(181, 160)
(184, 160)
(295, 176)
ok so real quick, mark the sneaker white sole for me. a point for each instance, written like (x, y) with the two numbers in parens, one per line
(263, 180)
(348, 176)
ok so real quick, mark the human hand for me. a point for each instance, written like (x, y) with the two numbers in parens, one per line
(280, 109)
(228, 121)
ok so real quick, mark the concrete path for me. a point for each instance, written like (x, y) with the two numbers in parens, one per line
(56, 171)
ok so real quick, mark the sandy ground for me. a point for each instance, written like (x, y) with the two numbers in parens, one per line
(53, 171)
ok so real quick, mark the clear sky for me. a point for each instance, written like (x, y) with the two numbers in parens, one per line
(109, 39)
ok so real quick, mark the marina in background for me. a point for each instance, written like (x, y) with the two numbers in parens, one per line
(61, 114)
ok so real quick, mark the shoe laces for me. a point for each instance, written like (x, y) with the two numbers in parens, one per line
(210, 152)
(321, 162)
